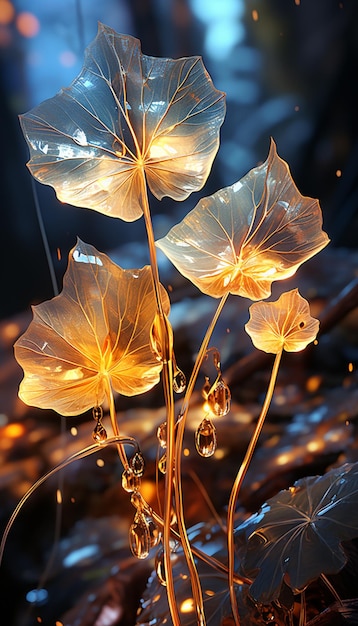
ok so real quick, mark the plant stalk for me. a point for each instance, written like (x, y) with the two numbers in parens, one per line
(239, 480)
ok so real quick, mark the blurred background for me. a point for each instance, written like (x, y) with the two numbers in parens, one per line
(289, 69)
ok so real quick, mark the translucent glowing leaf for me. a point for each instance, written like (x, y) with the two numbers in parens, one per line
(125, 116)
(96, 332)
(246, 236)
(297, 535)
(285, 324)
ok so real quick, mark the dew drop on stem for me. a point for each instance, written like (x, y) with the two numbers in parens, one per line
(205, 438)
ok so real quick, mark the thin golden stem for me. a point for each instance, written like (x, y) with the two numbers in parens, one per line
(167, 376)
(331, 589)
(76, 456)
(178, 491)
(239, 480)
(302, 619)
(113, 417)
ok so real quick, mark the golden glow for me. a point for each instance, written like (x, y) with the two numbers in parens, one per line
(255, 15)
(314, 446)
(13, 431)
(59, 496)
(100, 463)
(283, 459)
(7, 12)
(313, 383)
(74, 431)
(10, 331)
(350, 367)
(27, 24)
(338, 173)
(186, 452)
(187, 606)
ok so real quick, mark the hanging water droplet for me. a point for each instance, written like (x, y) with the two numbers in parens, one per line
(154, 532)
(97, 413)
(162, 464)
(205, 438)
(140, 537)
(130, 482)
(219, 399)
(206, 388)
(160, 568)
(99, 432)
(162, 434)
(137, 464)
(179, 381)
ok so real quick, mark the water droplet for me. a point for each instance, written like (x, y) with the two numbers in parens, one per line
(140, 537)
(159, 567)
(219, 399)
(162, 464)
(179, 381)
(130, 482)
(205, 438)
(137, 464)
(162, 434)
(99, 432)
(154, 532)
(97, 413)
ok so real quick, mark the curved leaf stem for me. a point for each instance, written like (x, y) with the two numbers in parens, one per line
(76, 456)
(178, 491)
(332, 589)
(239, 480)
(167, 374)
(113, 417)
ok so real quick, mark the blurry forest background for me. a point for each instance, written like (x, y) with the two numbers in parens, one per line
(289, 68)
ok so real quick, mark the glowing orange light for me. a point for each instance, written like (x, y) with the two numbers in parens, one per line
(58, 254)
(187, 606)
(255, 15)
(313, 383)
(186, 452)
(7, 12)
(350, 367)
(100, 463)
(297, 3)
(338, 173)
(13, 431)
(11, 331)
(27, 24)
(74, 431)
(59, 496)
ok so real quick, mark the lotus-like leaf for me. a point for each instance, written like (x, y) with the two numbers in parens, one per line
(246, 236)
(282, 325)
(127, 117)
(296, 536)
(97, 332)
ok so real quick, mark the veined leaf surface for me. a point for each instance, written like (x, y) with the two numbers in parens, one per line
(297, 534)
(282, 325)
(246, 236)
(96, 332)
(126, 117)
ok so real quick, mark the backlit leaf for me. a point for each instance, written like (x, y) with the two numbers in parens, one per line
(285, 324)
(246, 236)
(126, 117)
(96, 332)
(297, 534)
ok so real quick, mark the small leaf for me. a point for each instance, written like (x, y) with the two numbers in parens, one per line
(95, 333)
(126, 116)
(285, 324)
(246, 236)
(297, 535)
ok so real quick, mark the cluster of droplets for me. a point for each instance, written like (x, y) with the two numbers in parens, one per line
(217, 399)
(99, 432)
(144, 533)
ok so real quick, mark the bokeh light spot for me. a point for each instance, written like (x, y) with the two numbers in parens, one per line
(27, 24)
(67, 58)
(7, 12)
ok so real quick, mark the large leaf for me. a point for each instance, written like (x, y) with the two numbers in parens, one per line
(126, 115)
(246, 236)
(282, 325)
(297, 534)
(97, 331)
